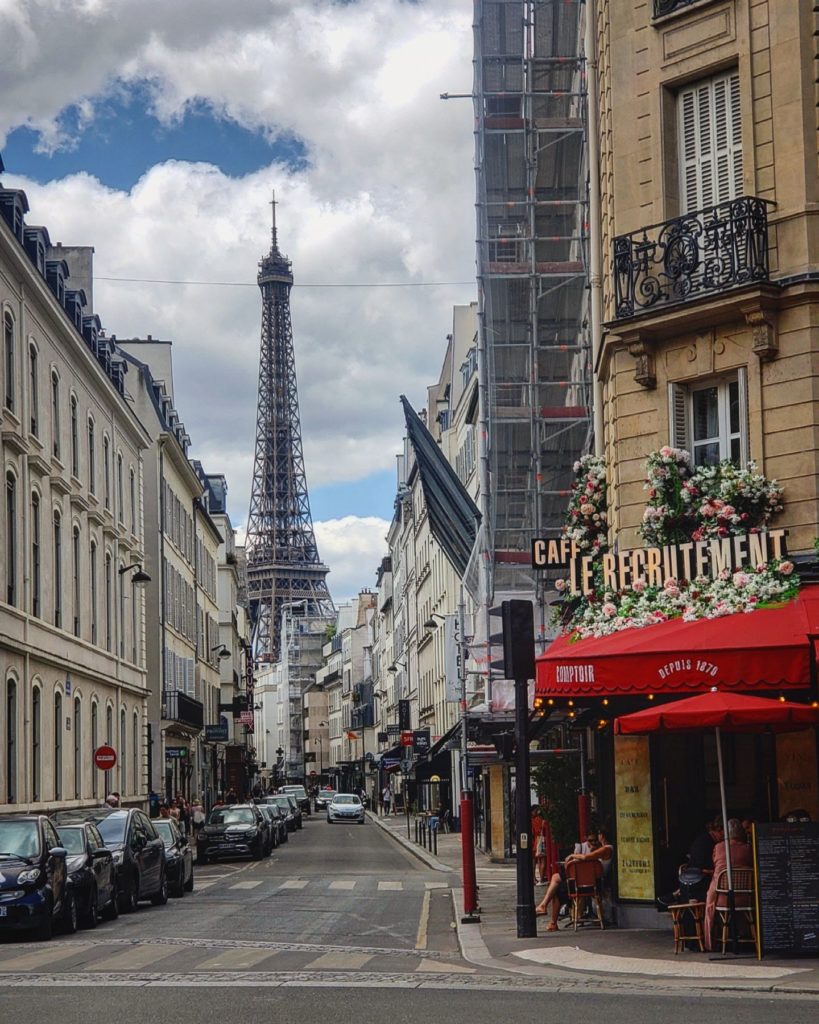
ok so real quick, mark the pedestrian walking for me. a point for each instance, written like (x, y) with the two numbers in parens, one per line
(197, 816)
(386, 799)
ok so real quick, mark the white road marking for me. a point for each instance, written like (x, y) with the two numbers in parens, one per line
(235, 959)
(436, 967)
(294, 883)
(390, 886)
(247, 885)
(43, 957)
(338, 962)
(133, 959)
(423, 922)
(435, 885)
(343, 884)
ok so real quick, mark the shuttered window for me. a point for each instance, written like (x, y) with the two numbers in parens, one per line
(710, 419)
(710, 143)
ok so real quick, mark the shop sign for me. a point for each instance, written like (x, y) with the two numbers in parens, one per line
(407, 738)
(216, 733)
(246, 718)
(632, 798)
(421, 741)
(655, 565)
(176, 752)
(797, 773)
(393, 731)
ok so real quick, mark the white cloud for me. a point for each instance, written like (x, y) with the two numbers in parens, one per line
(352, 546)
(388, 196)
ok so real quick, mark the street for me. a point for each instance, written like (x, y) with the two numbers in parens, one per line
(340, 907)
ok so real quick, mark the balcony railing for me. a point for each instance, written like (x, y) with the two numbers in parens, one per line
(663, 7)
(179, 707)
(710, 250)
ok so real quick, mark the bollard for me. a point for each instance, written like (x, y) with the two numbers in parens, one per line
(416, 830)
(424, 832)
(435, 841)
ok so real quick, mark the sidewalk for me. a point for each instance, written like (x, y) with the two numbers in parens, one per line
(619, 957)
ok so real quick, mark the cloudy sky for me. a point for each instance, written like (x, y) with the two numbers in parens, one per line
(155, 131)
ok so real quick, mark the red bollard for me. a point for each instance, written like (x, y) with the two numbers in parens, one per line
(468, 859)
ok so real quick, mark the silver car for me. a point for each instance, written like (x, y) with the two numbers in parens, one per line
(345, 807)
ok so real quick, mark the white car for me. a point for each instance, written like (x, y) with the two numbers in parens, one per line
(345, 807)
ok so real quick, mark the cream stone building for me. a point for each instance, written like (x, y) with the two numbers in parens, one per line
(707, 205)
(72, 651)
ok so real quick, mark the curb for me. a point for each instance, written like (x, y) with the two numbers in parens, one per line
(416, 851)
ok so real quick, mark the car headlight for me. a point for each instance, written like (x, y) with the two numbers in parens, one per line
(28, 877)
(118, 856)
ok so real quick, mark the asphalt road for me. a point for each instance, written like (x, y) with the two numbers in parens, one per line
(339, 922)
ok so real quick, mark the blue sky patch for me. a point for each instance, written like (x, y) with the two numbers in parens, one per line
(373, 496)
(124, 140)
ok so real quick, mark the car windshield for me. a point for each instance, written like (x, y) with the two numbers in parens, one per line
(19, 838)
(165, 830)
(71, 839)
(112, 827)
(345, 798)
(297, 791)
(282, 801)
(231, 816)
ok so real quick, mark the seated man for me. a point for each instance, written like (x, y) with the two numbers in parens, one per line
(695, 873)
(557, 892)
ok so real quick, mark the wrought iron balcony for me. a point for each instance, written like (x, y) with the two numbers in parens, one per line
(663, 7)
(179, 707)
(681, 260)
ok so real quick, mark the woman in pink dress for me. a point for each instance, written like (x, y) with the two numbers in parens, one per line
(741, 857)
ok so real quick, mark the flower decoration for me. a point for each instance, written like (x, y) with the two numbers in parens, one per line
(587, 514)
(668, 516)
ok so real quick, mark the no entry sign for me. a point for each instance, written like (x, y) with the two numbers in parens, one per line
(105, 758)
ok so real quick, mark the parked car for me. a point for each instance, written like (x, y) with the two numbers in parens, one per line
(300, 793)
(92, 873)
(288, 808)
(283, 816)
(345, 807)
(35, 893)
(270, 814)
(232, 830)
(323, 798)
(178, 856)
(296, 809)
(139, 853)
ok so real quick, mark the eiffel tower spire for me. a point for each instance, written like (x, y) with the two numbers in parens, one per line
(283, 564)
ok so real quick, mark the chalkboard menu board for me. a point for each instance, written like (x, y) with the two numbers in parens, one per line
(786, 855)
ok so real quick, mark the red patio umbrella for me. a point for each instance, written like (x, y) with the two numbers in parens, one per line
(723, 712)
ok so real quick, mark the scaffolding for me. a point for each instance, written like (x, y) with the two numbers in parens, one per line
(532, 221)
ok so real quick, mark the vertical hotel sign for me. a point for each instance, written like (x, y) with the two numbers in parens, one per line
(635, 840)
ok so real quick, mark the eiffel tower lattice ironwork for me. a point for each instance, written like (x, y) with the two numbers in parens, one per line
(283, 564)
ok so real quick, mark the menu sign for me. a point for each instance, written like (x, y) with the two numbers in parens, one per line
(635, 842)
(786, 858)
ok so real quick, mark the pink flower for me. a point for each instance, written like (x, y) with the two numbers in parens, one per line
(786, 568)
(724, 574)
(670, 583)
(762, 567)
(696, 535)
(652, 493)
(741, 579)
(609, 610)
(560, 585)
(639, 585)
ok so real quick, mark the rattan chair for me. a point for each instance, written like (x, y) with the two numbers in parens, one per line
(584, 879)
(744, 905)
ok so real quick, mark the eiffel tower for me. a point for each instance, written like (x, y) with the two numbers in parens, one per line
(283, 564)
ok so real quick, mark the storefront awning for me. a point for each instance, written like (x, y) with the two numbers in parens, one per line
(390, 759)
(766, 649)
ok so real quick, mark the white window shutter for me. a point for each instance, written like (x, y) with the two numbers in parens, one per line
(744, 422)
(678, 416)
(710, 142)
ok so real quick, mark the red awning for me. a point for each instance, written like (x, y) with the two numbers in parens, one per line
(765, 649)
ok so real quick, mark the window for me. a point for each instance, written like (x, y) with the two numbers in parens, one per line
(92, 454)
(58, 570)
(77, 749)
(106, 470)
(710, 419)
(710, 142)
(11, 538)
(11, 741)
(36, 601)
(109, 725)
(8, 360)
(121, 585)
(109, 604)
(55, 414)
(133, 501)
(93, 588)
(135, 753)
(75, 578)
(58, 746)
(36, 734)
(75, 439)
(133, 626)
(33, 390)
(95, 738)
(123, 771)
(120, 508)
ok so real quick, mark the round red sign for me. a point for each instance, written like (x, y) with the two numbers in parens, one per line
(312, 774)
(105, 758)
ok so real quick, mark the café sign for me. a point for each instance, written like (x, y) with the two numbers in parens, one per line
(656, 565)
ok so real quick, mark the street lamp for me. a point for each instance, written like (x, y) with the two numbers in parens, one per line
(139, 576)
(222, 649)
(320, 741)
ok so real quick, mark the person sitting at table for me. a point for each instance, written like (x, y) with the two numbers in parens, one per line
(741, 857)
(557, 892)
(695, 873)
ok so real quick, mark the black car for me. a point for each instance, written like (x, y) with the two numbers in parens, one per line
(178, 856)
(279, 818)
(35, 893)
(288, 808)
(91, 873)
(300, 793)
(232, 830)
(323, 798)
(271, 819)
(139, 853)
(297, 812)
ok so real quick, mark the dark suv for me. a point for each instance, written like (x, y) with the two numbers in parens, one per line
(232, 830)
(139, 852)
(34, 888)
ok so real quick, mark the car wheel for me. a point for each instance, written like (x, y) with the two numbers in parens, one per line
(91, 914)
(112, 910)
(201, 858)
(177, 890)
(189, 883)
(129, 900)
(69, 914)
(160, 897)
